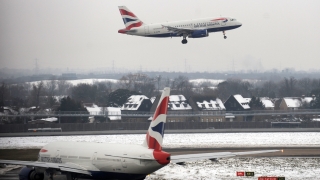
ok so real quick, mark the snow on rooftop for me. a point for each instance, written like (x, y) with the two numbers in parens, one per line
(211, 105)
(306, 99)
(292, 102)
(133, 102)
(51, 119)
(244, 102)
(267, 102)
(93, 109)
(178, 102)
(114, 113)
(152, 99)
(177, 98)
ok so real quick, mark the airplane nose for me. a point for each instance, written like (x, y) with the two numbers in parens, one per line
(240, 24)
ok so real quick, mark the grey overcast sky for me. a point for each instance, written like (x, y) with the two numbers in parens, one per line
(84, 34)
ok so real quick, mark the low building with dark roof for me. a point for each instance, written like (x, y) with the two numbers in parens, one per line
(177, 104)
(238, 103)
(138, 103)
(209, 106)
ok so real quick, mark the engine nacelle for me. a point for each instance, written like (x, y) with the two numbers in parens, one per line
(30, 174)
(199, 34)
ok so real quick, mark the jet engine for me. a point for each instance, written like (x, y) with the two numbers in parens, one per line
(199, 34)
(30, 174)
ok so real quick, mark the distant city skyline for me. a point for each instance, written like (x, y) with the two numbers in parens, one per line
(84, 35)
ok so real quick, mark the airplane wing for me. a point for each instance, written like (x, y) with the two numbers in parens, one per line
(180, 159)
(67, 167)
(179, 31)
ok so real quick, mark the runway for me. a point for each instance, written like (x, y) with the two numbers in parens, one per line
(302, 154)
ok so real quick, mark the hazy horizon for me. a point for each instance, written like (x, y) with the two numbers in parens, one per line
(83, 35)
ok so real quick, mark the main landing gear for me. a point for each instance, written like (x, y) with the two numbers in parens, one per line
(184, 41)
(224, 35)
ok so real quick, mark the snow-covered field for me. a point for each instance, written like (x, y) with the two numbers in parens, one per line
(180, 140)
(223, 169)
(80, 81)
(226, 168)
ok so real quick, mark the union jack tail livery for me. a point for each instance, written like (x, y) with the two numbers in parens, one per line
(155, 132)
(129, 19)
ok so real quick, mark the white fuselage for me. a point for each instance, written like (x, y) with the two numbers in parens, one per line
(209, 24)
(102, 159)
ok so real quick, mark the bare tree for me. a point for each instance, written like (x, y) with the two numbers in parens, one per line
(51, 89)
(3, 94)
(63, 87)
(182, 86)
(37, 90)
(288, 87)
(138, 82)
(234, 86)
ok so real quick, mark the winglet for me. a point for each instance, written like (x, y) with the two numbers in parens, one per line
(154, 137)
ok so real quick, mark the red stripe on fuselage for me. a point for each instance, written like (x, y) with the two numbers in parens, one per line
(162, 108)
(43, 150)
(218, 19)
(124, 12)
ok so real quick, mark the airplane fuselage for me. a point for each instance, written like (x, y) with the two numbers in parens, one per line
(105, 160)
(158, 30)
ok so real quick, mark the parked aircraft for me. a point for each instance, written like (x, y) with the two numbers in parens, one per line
(197, 28)
(112, 161)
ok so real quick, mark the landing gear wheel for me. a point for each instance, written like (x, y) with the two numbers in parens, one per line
(184, 41)
(225, 37)
(36, 176)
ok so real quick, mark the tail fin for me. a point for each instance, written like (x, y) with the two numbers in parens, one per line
(129, 19)
(155, 132)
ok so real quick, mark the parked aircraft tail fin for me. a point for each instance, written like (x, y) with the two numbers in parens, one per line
(154, 137)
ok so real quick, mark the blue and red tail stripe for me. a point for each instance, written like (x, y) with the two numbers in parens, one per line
(124, 12)
(162, 107)
(127, 20)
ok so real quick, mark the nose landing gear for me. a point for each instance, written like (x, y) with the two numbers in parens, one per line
(224, 35)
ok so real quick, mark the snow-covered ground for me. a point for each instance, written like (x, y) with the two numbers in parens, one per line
(80, 81)
(226, 168)
(223, 169)
(213, 82)
(180, 140)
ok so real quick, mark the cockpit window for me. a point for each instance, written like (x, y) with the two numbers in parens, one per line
(232, 19)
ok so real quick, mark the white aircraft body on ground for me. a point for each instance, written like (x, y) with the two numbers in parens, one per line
(112, 161)
(197, 28)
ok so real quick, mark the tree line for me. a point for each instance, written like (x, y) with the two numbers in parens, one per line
(50, 94)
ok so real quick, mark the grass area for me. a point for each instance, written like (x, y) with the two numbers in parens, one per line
(19, 154)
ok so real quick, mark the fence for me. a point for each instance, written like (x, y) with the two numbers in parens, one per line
(15, 128)
(170, 113)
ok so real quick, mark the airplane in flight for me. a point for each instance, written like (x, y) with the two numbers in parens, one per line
(197, 28)
(112, 161)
